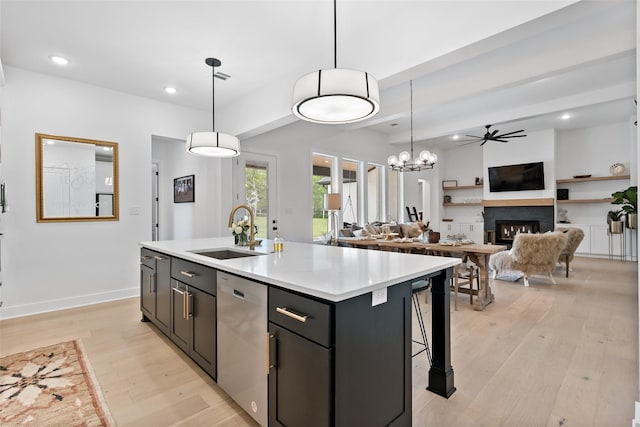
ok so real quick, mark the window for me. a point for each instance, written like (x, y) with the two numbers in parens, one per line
(321, 185)
(256, 194)
(373, 193)
(393, 195)
(350, 191)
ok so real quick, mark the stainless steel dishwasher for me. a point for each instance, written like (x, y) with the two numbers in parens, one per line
(242, 345)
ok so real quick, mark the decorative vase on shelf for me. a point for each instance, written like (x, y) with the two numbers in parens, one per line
(434, 237)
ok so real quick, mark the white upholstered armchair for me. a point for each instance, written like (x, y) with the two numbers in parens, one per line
(530, 253)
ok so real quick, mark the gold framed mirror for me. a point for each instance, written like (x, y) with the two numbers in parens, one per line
(76, 179)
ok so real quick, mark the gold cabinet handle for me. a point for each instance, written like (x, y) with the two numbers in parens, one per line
(181, 292)
(189, 305)
(189, 274)
(270, 364)
(145, 258)
(295, 316)
(160, 257)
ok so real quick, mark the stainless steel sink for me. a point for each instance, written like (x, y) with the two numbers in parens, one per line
(226, 254)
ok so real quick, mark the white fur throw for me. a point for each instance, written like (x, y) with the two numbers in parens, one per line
(530, 253)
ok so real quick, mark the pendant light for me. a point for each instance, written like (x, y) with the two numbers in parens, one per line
(403, 162)
(213, 144)
(336, 95)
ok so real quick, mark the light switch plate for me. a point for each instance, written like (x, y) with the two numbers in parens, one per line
(134, 210)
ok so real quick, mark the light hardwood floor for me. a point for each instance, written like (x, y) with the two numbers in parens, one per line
(543, 356)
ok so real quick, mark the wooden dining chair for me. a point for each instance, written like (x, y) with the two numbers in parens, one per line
(464, 275)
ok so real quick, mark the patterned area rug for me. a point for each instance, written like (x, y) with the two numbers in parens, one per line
(51, 386)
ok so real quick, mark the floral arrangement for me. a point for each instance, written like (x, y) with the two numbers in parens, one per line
(240, 232)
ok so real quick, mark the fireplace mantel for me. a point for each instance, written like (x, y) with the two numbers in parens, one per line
(518, 202)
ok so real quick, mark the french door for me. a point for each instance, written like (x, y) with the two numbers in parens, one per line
(255, 184)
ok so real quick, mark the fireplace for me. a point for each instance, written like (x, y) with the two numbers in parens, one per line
(524, 219)
(506, 230)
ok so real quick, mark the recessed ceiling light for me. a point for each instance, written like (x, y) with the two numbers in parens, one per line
(456, 136)
(59, 60)
(170, 90)
(566, 116)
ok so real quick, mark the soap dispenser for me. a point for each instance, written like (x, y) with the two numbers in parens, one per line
(278, 243)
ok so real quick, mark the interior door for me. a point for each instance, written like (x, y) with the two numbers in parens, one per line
(256, 184)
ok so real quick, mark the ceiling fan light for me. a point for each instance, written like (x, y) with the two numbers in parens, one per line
(213, 144)
(404, 156)
(392, 160)
(336, 96)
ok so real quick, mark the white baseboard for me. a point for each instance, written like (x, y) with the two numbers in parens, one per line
(65, 303)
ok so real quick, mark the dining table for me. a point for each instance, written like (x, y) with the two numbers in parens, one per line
(478, 253)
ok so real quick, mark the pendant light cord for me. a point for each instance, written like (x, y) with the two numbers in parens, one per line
(411, 119)
(213, 97)
(335, 36)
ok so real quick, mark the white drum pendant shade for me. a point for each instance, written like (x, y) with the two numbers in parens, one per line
(335, 96)
(213, 144)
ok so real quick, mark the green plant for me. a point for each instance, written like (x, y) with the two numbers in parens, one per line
(628, 199)
(614, 215)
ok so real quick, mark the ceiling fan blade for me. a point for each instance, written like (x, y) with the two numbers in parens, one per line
(512, 136)
(467, 142)
(499, 140)
(474, 136)
(483, 142)
(510, 133)
(494, 133)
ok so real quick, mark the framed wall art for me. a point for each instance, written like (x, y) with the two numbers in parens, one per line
(184, 189)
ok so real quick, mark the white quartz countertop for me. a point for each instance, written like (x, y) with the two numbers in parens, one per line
(332, 273)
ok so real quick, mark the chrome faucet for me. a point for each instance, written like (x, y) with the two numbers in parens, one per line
(252, 230)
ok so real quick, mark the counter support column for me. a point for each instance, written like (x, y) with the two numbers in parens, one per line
(441, 372)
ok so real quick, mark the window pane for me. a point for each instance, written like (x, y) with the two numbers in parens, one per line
(373, 193)
(393, 195)
(350, 191)
(321, 179)
(256, 193)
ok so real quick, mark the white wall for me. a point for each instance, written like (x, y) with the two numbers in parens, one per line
(294, 145)
(592, 151)
(49, 266)
(206, 217)
(536, 147)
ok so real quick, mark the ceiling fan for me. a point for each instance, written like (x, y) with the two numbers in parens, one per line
(493, 136)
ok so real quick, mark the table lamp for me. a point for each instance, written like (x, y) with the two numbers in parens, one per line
(332, 202)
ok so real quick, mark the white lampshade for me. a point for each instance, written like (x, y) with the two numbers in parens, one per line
(332, 202)
(335, 96)
(213, 144)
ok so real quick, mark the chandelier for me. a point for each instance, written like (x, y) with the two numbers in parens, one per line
(213, 144)
(403, 162)
(336, 95)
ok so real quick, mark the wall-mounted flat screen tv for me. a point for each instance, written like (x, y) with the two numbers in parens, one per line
(526, 176)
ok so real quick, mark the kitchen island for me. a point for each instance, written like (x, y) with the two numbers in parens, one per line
(336, 328)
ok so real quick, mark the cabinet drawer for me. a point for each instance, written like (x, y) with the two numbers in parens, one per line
(199, 276)
(147, 257)
(304, 316)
